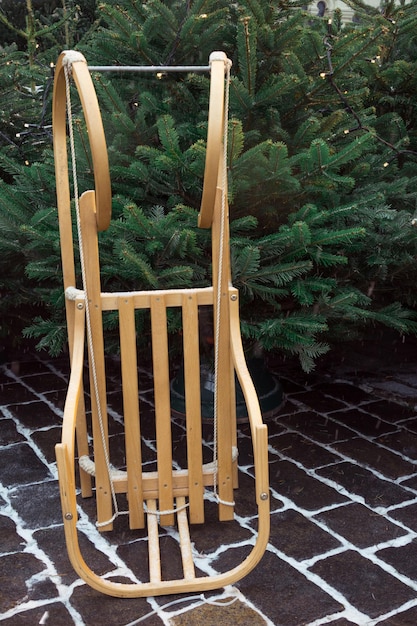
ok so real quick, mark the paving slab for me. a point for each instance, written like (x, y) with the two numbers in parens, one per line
(298, 537)
(363, 583)
(359, 525)
(372, 489)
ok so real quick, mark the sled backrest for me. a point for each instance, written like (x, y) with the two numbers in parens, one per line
(166, 482)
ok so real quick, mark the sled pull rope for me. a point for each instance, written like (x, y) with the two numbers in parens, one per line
(69, 59)
(228, 65)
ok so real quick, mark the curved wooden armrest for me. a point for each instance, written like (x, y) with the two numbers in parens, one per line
(214, 150)
(78, 68)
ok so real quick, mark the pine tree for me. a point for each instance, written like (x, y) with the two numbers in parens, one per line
(33, 33)
(322, 165)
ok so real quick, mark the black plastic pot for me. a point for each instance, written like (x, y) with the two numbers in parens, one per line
(268, 388)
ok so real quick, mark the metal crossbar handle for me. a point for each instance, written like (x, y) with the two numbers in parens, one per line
(149, 68)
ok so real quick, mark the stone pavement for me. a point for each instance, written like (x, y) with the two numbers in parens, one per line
(343, 472)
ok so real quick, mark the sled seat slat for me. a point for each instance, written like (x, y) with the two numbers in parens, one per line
(193, 407)
(129, 369)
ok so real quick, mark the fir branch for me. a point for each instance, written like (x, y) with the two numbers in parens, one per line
(330, 76)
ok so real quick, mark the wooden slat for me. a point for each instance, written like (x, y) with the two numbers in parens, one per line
(142, 299)
(226, 425)
(153, 543)
(162, 407)
(96, 359)
(131, 412)
(185, 540)
(74, 402)
(214, 141)
(193, 407)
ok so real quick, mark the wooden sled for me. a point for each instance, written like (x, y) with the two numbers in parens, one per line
(167, 495)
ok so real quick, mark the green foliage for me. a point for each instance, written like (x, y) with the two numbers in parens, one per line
(322, 162)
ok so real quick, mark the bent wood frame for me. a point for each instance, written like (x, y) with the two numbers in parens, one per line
(140, 487)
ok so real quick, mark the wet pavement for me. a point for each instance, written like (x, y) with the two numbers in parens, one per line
(343, 474)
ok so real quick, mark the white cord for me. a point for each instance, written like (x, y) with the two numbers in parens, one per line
(219, 283)
(179, 601)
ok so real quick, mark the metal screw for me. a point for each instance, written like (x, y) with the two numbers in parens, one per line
(233, 296)
(68, 516)
(80, 305)
(264, 496)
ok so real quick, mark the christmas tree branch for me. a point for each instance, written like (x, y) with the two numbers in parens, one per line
(327, 41)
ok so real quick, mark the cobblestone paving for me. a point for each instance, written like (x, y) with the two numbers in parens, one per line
(343, 473)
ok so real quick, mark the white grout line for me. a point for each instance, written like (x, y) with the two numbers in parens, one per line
(48, 573)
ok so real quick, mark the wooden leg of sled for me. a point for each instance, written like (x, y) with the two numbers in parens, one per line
(153, 543)
(225, 411)
(185, 541)
(96, 360)
(82, 449)
(76, 329)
